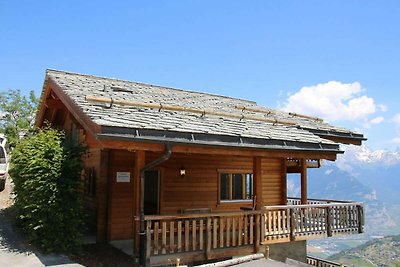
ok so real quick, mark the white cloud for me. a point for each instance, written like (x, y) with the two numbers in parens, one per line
(377, 120)
(396, 119)
(383, 108)
(332, 101)
(328, 171)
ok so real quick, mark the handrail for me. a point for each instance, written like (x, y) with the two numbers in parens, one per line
(322, 200)
(312, 206)
(200, 215)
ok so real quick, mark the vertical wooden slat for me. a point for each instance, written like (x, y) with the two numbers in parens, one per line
(186, 235)
(156, 238)
(328, 221)
(164, 238)
(257, 234)
(171, 237)
(148, 242)
(234, 223)
(240, 231)
(228, 234)
(251, 226)
(262, 234)
(246, 228)
(179, 235)
(279, 222)
(209, 238)
(269, 222)
(201, 234)
(215, 232)
(221, 232)
(292, 224)
(194, 235)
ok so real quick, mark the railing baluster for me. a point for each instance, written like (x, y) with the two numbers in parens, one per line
(221, 232)
(228, 233)
(187, 237)
(156, 238)
(148, 241)
(194, 233)
(251, 229)
(215, 229)
(234, 222)
(246, 227)
(240, 230)
(164, 238)
(201, 235)
(179, 232)
(171, 237)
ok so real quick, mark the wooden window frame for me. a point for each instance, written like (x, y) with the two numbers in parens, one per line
(230, 173)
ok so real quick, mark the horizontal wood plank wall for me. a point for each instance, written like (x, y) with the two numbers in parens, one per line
(121, 200)
(271, 173)
(199, 187)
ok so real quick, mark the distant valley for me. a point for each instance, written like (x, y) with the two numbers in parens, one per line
(371, 177)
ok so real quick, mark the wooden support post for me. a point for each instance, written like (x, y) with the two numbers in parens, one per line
(257, 234)
(208, 238)
(360, 211)
(284, 182)
(292, 225)
(257, 180)
(303, 181)
(328, 221)
(139, 164)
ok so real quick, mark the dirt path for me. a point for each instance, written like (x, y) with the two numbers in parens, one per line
(13, 251)
(5, 195)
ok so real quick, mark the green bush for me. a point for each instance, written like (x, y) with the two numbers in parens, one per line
(46, 171)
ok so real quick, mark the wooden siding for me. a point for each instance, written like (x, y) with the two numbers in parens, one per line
(120, 217)
(197, 189)
(271, 178)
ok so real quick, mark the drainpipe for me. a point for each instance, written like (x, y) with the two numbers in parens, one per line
(147, 167)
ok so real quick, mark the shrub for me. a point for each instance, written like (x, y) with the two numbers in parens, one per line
(46, 170)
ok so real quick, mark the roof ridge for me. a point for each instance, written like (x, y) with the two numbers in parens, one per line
(150, 84)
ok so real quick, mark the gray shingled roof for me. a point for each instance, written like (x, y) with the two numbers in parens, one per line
(127, 121)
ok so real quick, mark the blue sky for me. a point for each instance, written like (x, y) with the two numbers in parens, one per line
(335, 59)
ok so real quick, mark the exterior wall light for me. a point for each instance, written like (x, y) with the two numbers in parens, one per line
(182, 171)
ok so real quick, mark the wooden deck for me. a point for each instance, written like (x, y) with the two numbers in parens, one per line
(226, 234)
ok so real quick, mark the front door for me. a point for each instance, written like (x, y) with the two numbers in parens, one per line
(151, 192)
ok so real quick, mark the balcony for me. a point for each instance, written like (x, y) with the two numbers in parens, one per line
(196, 237)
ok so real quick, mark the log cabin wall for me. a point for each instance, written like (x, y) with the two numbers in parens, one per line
(121, 198)
(197, 189)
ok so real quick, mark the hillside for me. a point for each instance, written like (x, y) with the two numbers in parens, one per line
(377, 252)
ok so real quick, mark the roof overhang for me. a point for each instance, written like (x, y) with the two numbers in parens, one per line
(200, 139)
(347, 138)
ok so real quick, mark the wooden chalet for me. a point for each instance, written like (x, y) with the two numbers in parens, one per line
(193, 175)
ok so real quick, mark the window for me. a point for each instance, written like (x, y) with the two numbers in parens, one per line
(235, 185)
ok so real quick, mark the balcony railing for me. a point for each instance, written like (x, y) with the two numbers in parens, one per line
(313, 261)
(225, 234)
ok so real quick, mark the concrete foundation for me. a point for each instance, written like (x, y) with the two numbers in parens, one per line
(296, 250)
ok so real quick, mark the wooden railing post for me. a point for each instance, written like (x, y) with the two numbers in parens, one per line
(148, 244)
(208, 238)
(328, 222)
(292, 225)
(360, 212)
(257, 233)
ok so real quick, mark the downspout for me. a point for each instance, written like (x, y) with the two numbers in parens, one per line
(147, 167)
